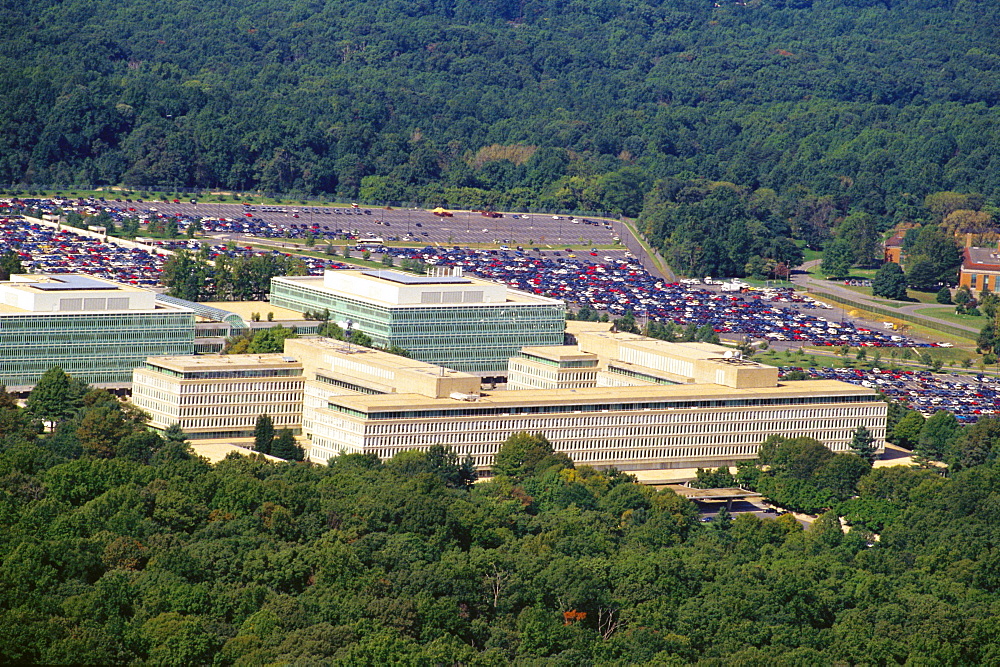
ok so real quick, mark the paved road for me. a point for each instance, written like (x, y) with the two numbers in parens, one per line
(815, 285)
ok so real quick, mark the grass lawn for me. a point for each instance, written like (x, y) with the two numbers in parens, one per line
(809, 255)
(805, 360)
(856, 274)
(948, 313)
(923, 297)
(827, 358)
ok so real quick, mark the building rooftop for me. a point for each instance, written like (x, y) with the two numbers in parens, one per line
(74, 293)
(68, 282)
(895, 241)
(574, 327)
(372, 357)
(186, 363)
(592, 395)
(559, 353)
(414, 279)
(400, 290)
(987, 259)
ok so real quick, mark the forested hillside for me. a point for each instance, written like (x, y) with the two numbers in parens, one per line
(120, 547)
(541, 103)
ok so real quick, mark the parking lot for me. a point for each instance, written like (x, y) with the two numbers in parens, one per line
(615, 283)
(607, 279)
(330, 222)
(43, 249)
(966, 396)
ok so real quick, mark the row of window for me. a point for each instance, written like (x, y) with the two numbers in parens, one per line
(582, 440)
(184, 321)
(226, 374)
(240, 409)
(724, 419)
(229, 392)
(689, 404)
(278, 419)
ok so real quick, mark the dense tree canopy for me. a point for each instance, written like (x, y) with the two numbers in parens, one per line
(115, 555)
(861, 105)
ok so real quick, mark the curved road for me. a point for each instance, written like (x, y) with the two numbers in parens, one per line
(819, 287)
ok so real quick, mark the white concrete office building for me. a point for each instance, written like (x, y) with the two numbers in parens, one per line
(220, 396)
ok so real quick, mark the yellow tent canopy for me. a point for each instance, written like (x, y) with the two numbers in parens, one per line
(439, 210)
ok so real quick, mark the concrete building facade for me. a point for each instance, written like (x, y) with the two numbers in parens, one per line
(980, 269)
(602, 405)
(616, 400)
(220, 396)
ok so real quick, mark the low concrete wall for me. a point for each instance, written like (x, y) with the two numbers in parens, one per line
(124, 243)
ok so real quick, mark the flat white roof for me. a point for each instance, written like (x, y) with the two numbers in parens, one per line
(616, 395)
(415, 291)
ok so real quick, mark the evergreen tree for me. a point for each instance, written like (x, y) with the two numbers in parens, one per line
(263, 434)
(986, 340)
(889, 281)
(56, 397)
(922, 274)
(838, 257)
(285, 448)
(863, 444)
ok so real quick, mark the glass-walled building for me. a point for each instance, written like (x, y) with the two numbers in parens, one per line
(94, 329)
(463, 323)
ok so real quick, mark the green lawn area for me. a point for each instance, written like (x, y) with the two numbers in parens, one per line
(923, 297)
(794, 358)
(915, 296)
(809, 255)
(856, 274)
(948, 313)
(882, 358)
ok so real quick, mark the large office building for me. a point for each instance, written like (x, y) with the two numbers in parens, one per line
(94, 329)
(335, 369)
(462, 323)
(220, 396)
(610, 359)
(613, 400)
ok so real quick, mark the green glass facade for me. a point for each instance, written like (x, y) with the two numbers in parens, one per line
(95, 347)
(471, 338)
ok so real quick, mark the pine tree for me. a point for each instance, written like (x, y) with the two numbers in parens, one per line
(263, 434)
(285, 448)
(863, 444)
(56, 397)
(889, 282)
